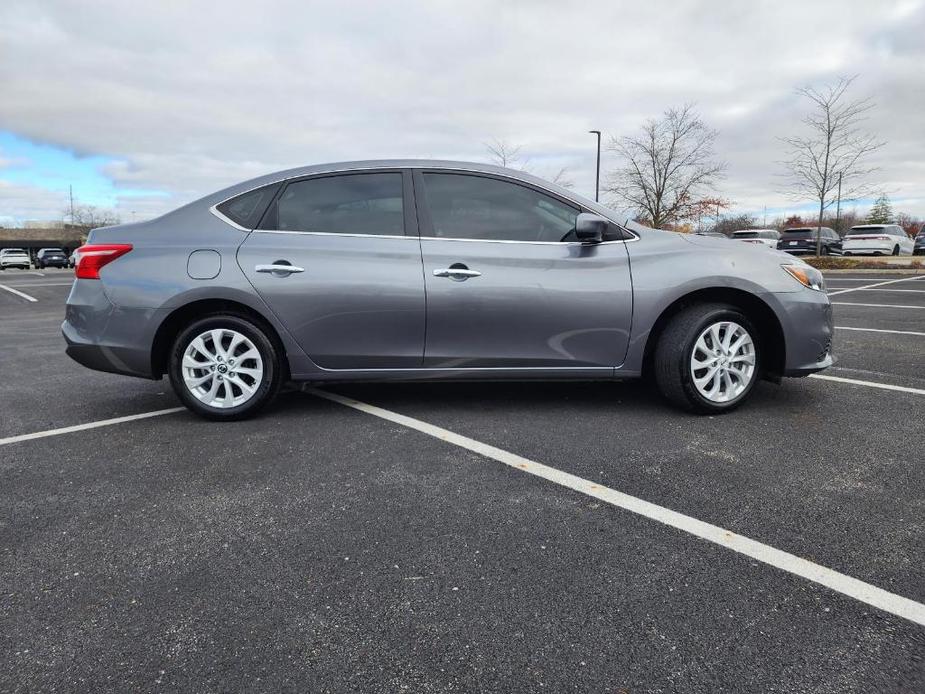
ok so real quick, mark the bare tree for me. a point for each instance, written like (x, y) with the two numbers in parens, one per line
(91, 217)
(503, 153)
(833, 151)
(563, 178)
(667, 167)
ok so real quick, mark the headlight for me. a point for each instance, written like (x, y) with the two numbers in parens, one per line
(807, 276)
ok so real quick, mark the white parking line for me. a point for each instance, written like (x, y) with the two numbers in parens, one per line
(18, 293)
(870, 384)
(893, 291)
(878, 330)
(849, 303)
(877, 284)
(839, 582)
(88, 425)
(39, 284)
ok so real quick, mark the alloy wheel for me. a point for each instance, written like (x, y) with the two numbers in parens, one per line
(222, 368)
(723, 361)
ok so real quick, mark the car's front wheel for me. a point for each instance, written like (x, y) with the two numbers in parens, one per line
(707, 360)
(225, 367)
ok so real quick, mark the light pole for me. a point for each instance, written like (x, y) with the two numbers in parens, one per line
(597, 175)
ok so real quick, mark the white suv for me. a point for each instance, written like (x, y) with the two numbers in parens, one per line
(14, 257)
(877, 239)
(766, 237)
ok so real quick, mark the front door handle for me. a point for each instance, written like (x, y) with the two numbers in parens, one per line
(278, 268)
(457, 273)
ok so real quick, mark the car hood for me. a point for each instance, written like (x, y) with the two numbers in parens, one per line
(726, 247)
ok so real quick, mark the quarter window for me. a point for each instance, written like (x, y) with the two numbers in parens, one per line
(347, 204)
(475, 207)
(247, 209)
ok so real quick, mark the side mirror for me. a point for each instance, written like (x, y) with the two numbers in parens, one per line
(590, 228)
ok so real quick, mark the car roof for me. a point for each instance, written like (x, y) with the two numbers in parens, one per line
(872, 226)
(375, 164)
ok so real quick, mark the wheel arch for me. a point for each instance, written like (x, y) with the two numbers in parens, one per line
(771, 332)
(183, 315)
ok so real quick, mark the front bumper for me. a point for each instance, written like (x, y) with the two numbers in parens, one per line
(808, 325)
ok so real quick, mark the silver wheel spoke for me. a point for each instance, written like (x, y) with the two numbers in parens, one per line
(209, 396)
(217, 342)
(199, 346)
(193, 382)
(242, 385)
(191, 363)
(253, 373)
(228, 401)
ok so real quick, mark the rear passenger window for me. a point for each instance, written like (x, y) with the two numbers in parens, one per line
(347, 204)
(247, 209)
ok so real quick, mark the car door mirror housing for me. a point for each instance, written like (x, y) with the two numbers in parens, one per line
(590, 228)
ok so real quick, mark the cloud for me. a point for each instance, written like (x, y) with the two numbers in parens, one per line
(185, 98)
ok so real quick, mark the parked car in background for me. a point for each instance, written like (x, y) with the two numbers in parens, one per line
(878, 239)
(50, 257)
(331, 273)
(800, 240)
(764, 237)
(14, 257)
(919, 248)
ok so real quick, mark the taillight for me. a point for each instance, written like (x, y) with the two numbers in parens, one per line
(92, 257)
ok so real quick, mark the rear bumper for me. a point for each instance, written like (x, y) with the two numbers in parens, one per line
(885, 247)
(104, 337)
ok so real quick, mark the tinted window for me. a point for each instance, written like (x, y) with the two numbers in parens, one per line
(348, 204)
(797, 234)
(865, 231)
(474, 207)
(746, 234)
(247, 208)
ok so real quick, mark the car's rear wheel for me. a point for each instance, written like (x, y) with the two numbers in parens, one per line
(708, 359)
(225, 367)
(895, 250)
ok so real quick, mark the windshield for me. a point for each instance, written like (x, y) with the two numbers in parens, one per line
(798, 234)
(746, 234)
(12, 250)
(861, 231)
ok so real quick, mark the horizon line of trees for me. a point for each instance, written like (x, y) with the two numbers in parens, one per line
(669, 172)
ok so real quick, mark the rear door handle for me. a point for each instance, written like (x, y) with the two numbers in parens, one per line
(279, 268)
(456, 273)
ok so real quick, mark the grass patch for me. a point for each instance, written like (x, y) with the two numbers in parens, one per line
(829, 262)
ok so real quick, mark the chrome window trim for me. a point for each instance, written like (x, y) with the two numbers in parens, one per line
(436, 238)
(213, 209)
(227, 220)
(532, 243)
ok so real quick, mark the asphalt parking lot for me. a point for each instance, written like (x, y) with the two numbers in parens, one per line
(322, 548)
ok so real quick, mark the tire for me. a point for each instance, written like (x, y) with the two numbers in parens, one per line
(825, 250)
(672, 359)
(205, 390)
(895, 250)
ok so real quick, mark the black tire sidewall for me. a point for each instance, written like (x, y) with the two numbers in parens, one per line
(269, 385)
(710, 317)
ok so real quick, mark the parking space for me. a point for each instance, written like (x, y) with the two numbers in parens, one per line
(324, 548)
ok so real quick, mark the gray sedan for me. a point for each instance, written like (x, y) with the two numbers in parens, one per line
(433, 270)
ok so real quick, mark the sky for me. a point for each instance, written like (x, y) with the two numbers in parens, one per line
(143, 107)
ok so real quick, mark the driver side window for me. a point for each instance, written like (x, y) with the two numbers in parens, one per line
(464, 206)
